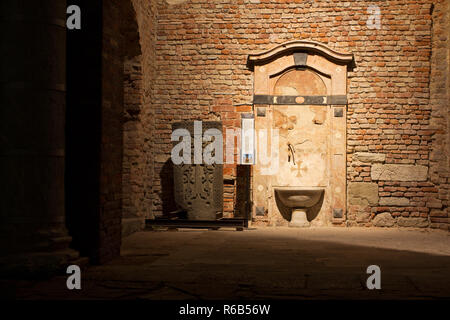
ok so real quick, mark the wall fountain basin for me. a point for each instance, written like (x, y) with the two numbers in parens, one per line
(299, 200)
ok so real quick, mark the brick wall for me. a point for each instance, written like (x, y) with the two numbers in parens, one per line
(440, 108)
(134, 160)
(133, 153)
(194, 67)
(147, 25)
(389, 113)
(138, 116)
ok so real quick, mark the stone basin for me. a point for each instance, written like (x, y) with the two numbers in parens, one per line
(299, 199)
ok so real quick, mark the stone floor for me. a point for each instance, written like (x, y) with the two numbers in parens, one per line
(265, 263)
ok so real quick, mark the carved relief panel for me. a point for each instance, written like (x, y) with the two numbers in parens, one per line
(198, 188)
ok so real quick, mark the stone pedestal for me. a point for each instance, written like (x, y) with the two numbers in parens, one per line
(299, 219)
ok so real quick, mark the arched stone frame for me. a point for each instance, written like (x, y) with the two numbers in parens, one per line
(268, 66)
(315, 55)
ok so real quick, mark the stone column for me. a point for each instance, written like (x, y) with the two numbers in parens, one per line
(32, 121)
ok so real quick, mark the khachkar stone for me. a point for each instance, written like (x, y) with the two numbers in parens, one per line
(399, 172)
(198, 188)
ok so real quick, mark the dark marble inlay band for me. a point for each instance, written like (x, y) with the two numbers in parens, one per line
(300, 100)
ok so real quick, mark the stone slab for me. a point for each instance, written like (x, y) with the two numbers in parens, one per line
(363, 193)
(412, 222)
(399, 172)
(394, 201)
(369, 157)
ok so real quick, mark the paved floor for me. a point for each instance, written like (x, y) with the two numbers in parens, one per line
(266, 263)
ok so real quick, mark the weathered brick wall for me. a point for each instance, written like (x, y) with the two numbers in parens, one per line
(146, 18)
(201, 53)
(133, 153)
(440, 109)
(388, 117)
(138, 116)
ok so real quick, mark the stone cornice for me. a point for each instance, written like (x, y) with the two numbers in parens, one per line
(300, 46)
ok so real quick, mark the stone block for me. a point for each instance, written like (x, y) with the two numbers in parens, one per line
(383, 220)
(363, 193)
(362, 217)
(369, 157)
(434, 203)
(394, 201)
(412, 222)
(175, 2)
(438, 213)
(399, 172)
